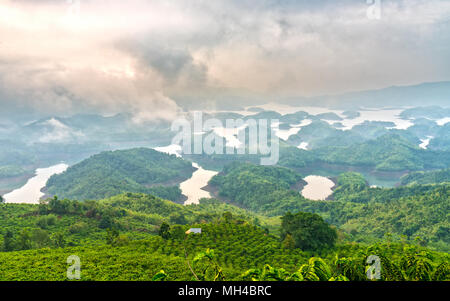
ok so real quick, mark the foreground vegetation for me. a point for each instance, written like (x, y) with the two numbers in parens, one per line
(224, 251)
(141, 237)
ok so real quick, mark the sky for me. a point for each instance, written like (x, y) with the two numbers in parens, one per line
(146, 57)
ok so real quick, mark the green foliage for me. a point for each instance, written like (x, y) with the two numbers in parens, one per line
(234, 251)
(349, 183)
(315, 270)
(164, 231)
(258, 188)
(268, 273)
(308, 230)
(111, 173)
(390, 152)
(422, 214)
(211, 266)
(160, 276)
(430, 177)
(136, 216)
(365, 214)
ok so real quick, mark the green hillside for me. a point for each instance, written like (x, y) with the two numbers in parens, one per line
(224, 251)
(110, 173)
(260, 189)
(430, 177)
(363, 213)
(76, 223)
(137, 236)
(389, 152)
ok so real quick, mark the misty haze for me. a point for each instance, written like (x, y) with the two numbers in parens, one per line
(336, 166)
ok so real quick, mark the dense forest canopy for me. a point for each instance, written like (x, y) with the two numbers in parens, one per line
(111, 173)
(364, 213)
(430, 177)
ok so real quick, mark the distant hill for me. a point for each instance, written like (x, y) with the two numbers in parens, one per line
(260, 189)
(430, 177)
(390, 152)
(110, 173)
(434, 93)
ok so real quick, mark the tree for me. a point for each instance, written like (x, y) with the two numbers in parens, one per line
(228, 216)
(177, 218)
(59, 240)
(1, 199)
(40, 238)
(106, 222)
(289, 242)
(24, 241)
(177, 232)
(111, 236)
(8, 241)
(164, 231)
(309, 231)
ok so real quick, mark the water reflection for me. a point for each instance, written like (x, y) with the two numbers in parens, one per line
(318, 188)
(31, 193)
(192, 188)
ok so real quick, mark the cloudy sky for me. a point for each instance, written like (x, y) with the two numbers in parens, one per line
(142, 56)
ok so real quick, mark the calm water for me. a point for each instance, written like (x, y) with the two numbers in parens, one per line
(192, 188)
(443, 121)
(303, 145)
(173, 149)
(318, 188)
(31, 193)
(295, 128)
(425, 142)
(230, 135)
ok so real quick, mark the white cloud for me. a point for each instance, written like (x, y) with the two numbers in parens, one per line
(59, 132)
(134, 55)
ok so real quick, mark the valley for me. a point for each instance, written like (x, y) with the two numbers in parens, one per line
(376, 184)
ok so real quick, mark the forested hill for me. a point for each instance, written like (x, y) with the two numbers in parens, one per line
(72, 223)
(363, 213)
(110, 173)
(132, 232)
(390, 152)
(430, 177)
(263, 189)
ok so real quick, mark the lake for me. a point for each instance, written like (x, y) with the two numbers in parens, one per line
(192, 188)
(318, 188)
(425, 142)
(31, 193)
(173, 149)
(387, 179)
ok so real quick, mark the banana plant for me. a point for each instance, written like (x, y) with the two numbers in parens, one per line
(208, 258)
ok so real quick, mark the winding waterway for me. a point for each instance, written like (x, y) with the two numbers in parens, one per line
(192, 187)
(31, 193)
